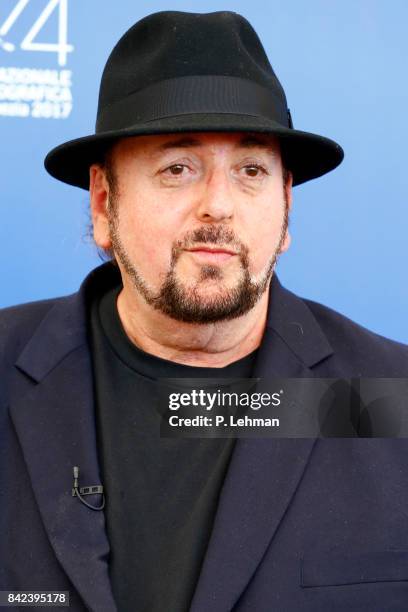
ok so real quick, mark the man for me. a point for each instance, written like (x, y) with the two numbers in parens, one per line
(190, 175)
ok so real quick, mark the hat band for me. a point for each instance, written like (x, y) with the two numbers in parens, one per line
(192, 95)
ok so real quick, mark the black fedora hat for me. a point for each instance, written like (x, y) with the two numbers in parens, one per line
(185, 72)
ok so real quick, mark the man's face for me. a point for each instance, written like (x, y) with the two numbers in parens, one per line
(196, 221)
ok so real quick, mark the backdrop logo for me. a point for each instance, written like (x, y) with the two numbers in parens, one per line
(34, 91)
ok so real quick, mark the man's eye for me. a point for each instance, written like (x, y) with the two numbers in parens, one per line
(254, 171)
(175, 169)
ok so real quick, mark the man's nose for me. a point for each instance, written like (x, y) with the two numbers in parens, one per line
(215, 201)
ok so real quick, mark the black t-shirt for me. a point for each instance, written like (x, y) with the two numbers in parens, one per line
(161, 493)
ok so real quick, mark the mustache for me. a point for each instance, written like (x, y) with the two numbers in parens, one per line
(215, 235)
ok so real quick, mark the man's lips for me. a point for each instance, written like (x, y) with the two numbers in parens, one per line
(212, 254)
(212, 250)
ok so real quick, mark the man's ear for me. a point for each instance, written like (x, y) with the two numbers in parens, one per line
(99, 200)
(288, 198)
(288, 189)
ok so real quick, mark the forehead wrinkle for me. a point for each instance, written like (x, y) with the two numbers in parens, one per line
(182, 142)
(253, 141)
(247, 141)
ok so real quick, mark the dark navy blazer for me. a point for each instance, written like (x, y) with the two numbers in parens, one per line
(302, 524)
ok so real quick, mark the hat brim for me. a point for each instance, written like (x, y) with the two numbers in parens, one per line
(306, 155)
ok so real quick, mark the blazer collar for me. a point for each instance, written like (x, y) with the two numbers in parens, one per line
(64, 328)
(292, 320)
(55, 423)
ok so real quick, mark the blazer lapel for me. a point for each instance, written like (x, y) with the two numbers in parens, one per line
(263, 473)
(53, 414)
